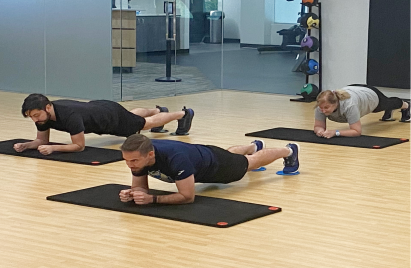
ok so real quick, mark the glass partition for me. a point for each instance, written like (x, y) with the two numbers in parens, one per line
(219, 44)
(22, 66)
(189, 64)
(262, 46)
(77, 48)
(59, 48)
(230, 44)
(199, 62)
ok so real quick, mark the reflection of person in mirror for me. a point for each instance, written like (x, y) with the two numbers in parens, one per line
(99, 117)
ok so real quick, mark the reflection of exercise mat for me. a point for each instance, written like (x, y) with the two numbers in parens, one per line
(292, 134)
(90, 155)
(215, 212)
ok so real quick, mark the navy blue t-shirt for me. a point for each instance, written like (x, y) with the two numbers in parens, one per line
(177, 160)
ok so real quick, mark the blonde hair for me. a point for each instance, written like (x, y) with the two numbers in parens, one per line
(332, 97)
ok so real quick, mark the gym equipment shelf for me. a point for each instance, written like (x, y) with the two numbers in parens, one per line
(307, 55)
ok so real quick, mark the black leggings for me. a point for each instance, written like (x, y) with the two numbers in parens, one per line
(384, 103)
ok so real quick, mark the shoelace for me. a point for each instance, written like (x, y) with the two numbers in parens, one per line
(288, 161)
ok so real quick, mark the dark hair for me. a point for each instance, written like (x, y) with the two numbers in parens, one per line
(34, 101)
(137, 142)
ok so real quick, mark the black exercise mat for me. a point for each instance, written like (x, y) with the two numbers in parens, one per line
(216, 212)
(304, 135)
(90, 155)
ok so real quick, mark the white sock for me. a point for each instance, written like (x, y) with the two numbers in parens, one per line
(291, 152)
(255, 150)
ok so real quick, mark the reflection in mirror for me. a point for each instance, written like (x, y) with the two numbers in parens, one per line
(189, 59)
(123, 42)
(266, 58)
(227, 44)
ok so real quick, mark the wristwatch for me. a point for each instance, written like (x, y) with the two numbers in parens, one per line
(337, 133)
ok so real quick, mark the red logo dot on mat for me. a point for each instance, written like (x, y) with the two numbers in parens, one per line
(95, 162)
(376, 147)
(273, 208)
(403, 139)
(222, 223)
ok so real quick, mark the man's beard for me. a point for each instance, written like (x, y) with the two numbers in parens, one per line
(45, 121)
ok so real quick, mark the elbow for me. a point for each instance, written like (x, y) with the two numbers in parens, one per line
(190, 199)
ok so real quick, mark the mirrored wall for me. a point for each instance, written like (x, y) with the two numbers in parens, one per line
(59, 48)
(215, 44)
(144, 49)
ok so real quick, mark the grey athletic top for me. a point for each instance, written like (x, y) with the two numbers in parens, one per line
(362, 101)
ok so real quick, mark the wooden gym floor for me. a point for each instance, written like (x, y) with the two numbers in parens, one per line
(349, 207)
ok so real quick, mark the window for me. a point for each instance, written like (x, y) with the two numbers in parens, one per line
(287, 11)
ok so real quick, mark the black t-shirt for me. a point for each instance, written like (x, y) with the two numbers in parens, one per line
(100, 117)
(177, 160)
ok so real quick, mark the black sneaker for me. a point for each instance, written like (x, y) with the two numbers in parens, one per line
(184, 124)
(291, 163)
(160, 128)
(405, 114)
(387, 116)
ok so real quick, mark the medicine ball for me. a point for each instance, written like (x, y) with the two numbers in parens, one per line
(310, 43)
(310, 3)
(309, 67)
(310, 20)
(309, 91)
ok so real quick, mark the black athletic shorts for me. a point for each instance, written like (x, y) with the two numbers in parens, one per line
(123, 123)
(231, 167)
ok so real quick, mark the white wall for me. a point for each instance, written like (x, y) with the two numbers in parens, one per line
(183, 9)
(344, 42)
(268, 20)
(256, 19)
(251, 30)
(232, 11)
